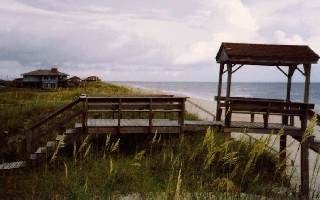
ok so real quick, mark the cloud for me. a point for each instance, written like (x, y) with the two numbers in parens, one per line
(162, 39)
(282, 38)
(218, 23)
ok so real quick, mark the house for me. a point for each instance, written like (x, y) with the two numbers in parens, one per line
(93, 78)
(47, 79)
(74, 81)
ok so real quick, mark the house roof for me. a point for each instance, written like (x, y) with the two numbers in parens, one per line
(266, 54)
(44, 72)
(75, 77)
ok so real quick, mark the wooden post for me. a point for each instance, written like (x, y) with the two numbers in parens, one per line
(219, 110)
(291, 70)
(227, 113)
(305, 168)
(119, 116)
(84, 114)
(307, 71)
(283, 138)
(30, 145)
(182, 115)
(150, 116)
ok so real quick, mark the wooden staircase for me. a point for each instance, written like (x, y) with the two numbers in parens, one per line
(47, 151)
(44, 152)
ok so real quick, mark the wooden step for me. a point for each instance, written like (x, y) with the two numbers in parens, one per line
(41, 150)
(39, 154)
(68, 139)
(51, 147)
(70, 131)
(13, 165)
(59, 137)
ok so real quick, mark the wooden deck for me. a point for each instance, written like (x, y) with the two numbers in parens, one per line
(128, 126)
(259, 127)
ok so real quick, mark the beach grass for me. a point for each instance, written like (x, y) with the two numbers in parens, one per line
(200, 165)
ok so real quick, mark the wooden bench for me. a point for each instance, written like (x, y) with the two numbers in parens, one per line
(252, 111)
(122, 107)
(267, 107)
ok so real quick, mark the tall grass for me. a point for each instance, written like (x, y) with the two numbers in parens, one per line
(20, 108)
(202, 166)
(193, 166)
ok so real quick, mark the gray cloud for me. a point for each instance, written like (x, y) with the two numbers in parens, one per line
(161, 39)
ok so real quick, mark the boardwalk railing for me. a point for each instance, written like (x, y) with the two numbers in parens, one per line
(119, 107)
(267, 107)
(147, 107)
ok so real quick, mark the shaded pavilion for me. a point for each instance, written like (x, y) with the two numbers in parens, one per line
(288, 59)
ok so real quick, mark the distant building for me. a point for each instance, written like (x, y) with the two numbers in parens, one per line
(74, 81)
(18, 82)
(47, 79)
(93, 78)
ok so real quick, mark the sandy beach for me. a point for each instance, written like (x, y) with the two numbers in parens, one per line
(208, 109)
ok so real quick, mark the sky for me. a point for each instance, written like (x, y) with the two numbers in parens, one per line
(144, 40)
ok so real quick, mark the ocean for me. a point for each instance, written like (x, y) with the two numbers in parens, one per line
(208, 90)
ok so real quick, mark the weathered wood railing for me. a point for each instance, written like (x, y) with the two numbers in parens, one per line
(221, 104)
(267, 107)
(119, 106)
(145, 106)
(32, 138)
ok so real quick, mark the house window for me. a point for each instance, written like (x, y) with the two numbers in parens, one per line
(53, 85)
(45, 78)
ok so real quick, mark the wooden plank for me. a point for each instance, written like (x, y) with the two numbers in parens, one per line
(13, 165)
(70, 131)
(99, 122)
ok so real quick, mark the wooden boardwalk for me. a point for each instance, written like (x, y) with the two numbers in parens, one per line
(258, 127)
(143, 125)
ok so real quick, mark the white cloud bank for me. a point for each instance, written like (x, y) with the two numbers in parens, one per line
(146, 40)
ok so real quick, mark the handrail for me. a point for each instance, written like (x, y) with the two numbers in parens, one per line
(30, 131)
(55, 114)
(149, 104)
(204, 110)
(58, 124)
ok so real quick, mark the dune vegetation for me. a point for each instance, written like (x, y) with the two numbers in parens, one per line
(195, 165)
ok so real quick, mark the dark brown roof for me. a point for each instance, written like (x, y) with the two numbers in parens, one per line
(44, 72)
(75, 77)
(266, 54)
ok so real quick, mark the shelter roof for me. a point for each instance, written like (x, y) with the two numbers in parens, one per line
(266, 54)
(44, 72)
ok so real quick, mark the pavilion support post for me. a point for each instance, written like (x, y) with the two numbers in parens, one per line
(304, 168)
(283, 153)
(228, 114)
(292, 68)
(219, 110)
(307, 72)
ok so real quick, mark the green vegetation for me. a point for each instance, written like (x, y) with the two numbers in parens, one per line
(199, 165)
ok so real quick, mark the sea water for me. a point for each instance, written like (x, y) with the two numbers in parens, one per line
(208, 90)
